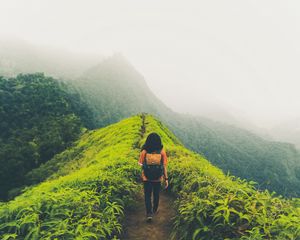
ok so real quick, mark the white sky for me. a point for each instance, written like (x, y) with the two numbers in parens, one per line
(242, 55)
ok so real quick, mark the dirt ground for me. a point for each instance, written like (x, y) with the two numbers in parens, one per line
(137, 228)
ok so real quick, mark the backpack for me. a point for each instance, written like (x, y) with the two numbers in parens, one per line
(153, 166)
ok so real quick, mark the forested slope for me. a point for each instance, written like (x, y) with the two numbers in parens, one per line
(273, 165)
(40, 117)
(85, 196)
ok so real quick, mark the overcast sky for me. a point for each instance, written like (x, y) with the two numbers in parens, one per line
(240, 55)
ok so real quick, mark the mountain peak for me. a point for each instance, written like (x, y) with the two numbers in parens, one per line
(117, 67)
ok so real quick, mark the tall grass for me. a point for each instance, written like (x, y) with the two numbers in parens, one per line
(88, 186)
(85, 197)
(212, 205)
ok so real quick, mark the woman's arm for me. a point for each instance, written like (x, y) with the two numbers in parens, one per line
(165, 172)
(165, 162)
(166, 177)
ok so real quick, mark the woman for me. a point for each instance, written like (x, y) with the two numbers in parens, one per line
(154, 160)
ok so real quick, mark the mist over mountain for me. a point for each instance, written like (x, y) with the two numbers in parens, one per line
(19, 56)
(288, 131)
(227, 114)
(114, 89)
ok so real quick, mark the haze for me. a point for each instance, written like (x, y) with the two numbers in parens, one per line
(205, 57)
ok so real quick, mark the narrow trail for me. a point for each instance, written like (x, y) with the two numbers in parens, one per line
(142, 132)
(135, 225)
(137, 228)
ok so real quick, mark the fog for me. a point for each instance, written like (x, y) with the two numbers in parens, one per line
(238, 59)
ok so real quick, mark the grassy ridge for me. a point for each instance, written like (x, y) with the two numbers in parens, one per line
(89, 185)
(85, 198)
(212, 205)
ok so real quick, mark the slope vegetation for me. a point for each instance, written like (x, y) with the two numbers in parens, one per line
(40, 117)
(273, 165)
(84, 196)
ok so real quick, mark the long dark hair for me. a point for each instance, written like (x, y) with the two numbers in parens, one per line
(153, 143)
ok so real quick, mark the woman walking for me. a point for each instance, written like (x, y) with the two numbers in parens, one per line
(153, 160)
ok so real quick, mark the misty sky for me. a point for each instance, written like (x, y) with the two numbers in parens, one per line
(243, 56)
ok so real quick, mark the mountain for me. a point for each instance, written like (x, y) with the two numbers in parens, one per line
(115, 90)
(40, 117)
(89, 187)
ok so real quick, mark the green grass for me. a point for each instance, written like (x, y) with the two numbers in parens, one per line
(85, 197)
(212, 205)
(86, 188)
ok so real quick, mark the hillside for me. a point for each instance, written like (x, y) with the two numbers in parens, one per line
(40, 117)
(115, 90)
(85, 194)
(274, 165)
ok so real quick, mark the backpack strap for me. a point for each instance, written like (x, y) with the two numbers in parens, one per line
(145, 161)
(161, 158)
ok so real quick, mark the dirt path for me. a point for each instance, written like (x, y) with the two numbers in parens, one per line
(136, 227)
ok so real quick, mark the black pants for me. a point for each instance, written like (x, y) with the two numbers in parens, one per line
(150, 187)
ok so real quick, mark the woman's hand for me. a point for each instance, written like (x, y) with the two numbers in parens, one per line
(166, 184)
